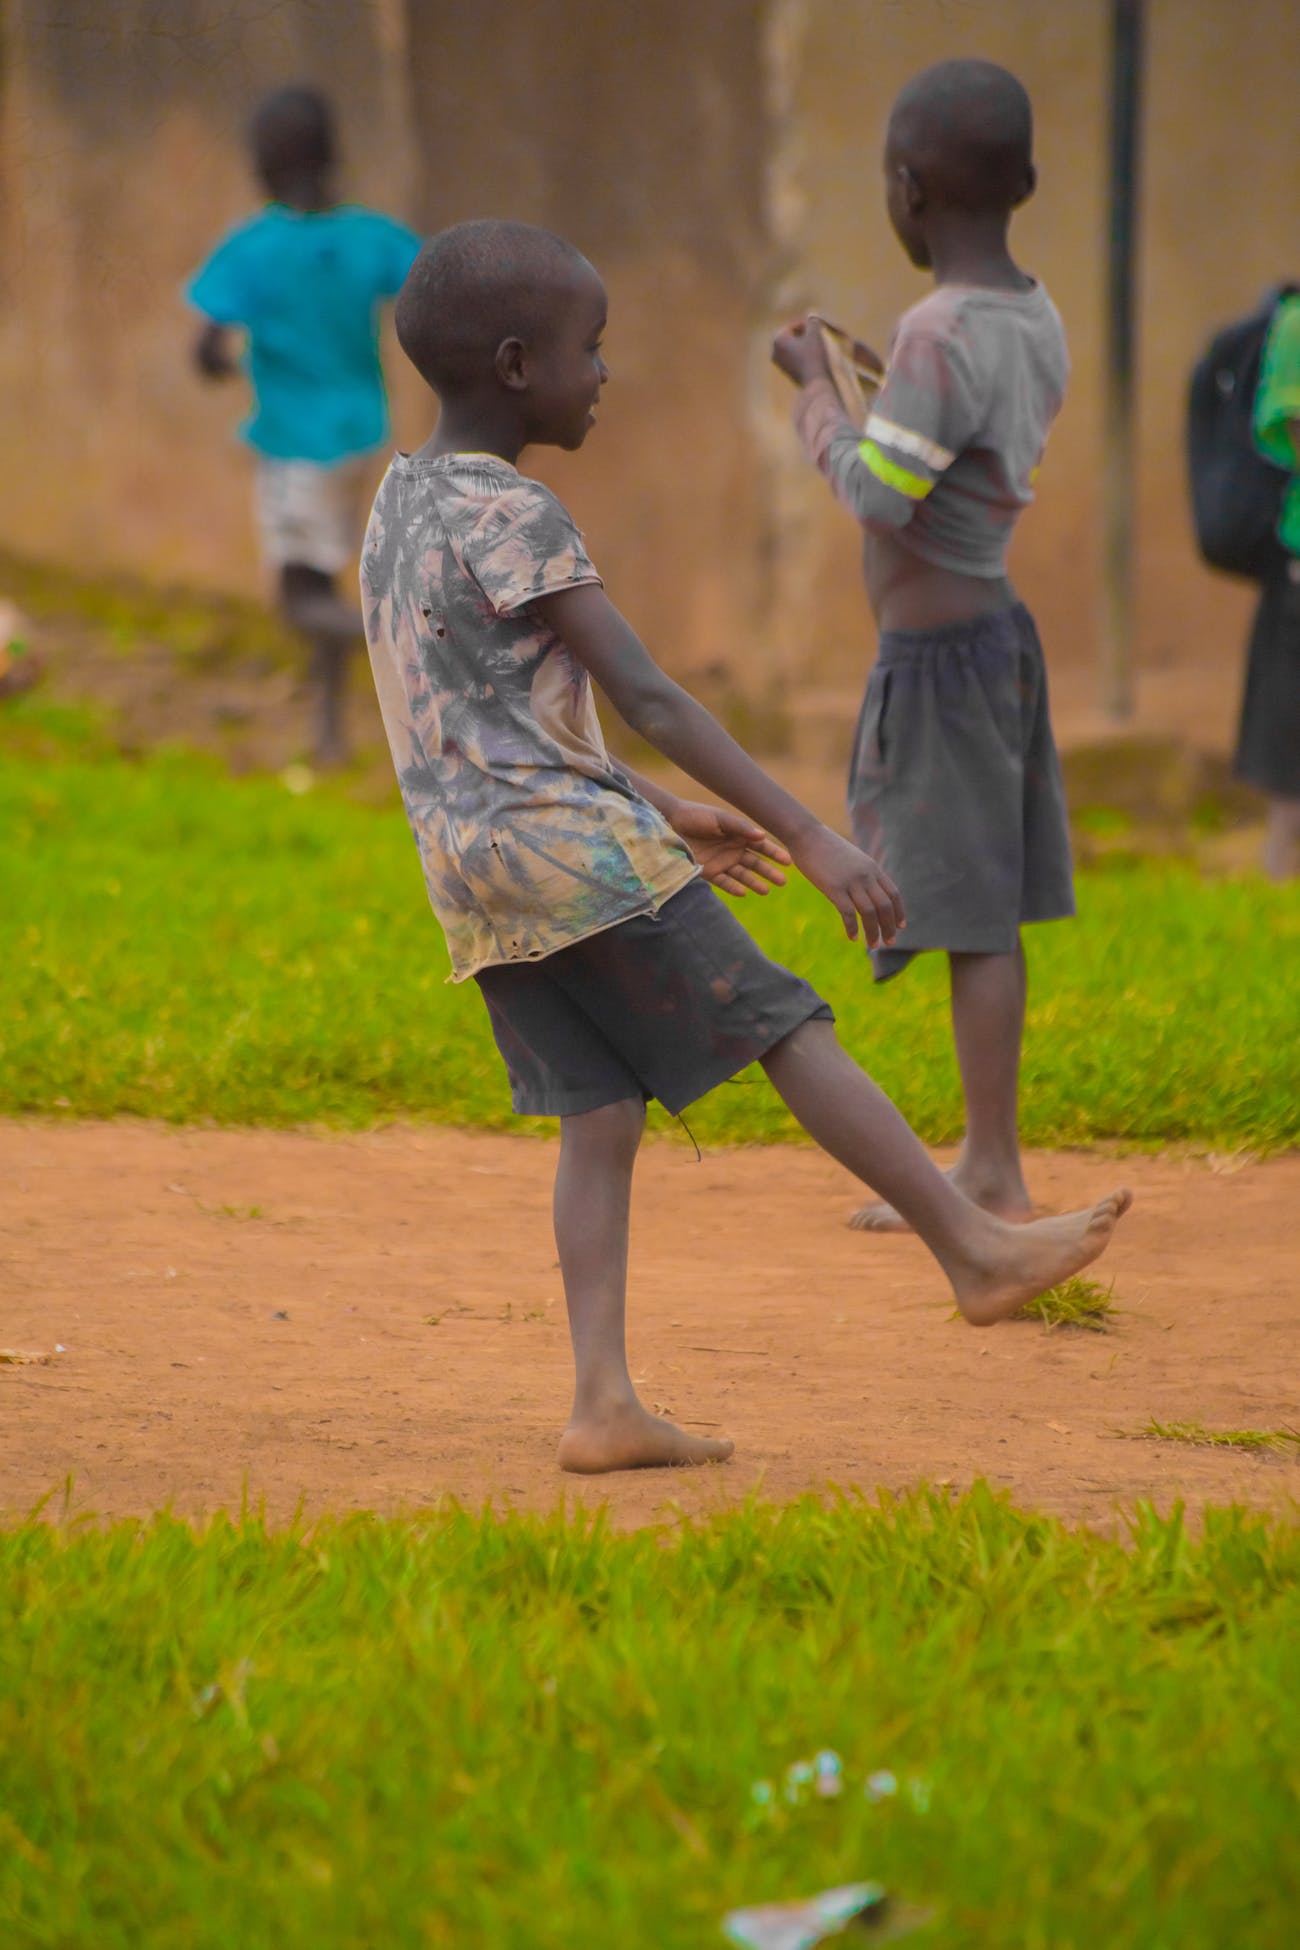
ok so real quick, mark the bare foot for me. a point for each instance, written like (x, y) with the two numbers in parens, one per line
(1011, 1203)
(629, 1437)
(1032, 1258)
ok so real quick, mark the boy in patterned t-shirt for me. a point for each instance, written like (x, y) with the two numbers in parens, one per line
(568, 887)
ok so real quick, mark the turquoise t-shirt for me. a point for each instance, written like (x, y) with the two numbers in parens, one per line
(307, 286)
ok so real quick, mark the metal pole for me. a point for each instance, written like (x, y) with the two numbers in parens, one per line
(1117, 675)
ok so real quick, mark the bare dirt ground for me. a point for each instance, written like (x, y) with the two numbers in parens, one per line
(375, 1322)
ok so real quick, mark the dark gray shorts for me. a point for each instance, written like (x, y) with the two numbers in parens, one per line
(956, 787)
(665, 1005)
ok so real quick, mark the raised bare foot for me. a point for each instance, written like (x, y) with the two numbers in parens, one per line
(1029, 1259)
(1009, 1202)
(629, 1437)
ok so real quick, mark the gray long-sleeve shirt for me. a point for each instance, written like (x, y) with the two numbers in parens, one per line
(950, 451)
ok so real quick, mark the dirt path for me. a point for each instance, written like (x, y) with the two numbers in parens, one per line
(372, 1322)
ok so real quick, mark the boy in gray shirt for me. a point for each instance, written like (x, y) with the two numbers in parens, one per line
(955, 783)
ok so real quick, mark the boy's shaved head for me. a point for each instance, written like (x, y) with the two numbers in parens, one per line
(474, 286)
(291, 131)
(965, 129)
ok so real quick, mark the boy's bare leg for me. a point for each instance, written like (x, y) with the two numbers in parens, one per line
(608, 1429)
(1282, 839)
(327, 676)
(332, 627)
(993, 1267)
(988, 1021)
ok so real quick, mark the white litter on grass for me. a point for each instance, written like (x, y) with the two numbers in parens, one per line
(801, 1925)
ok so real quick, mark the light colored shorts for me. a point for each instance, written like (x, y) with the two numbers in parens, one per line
(308, 514)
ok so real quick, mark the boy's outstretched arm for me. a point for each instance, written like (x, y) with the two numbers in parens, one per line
(671, 720)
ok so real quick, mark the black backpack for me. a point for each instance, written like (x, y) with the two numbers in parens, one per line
(1236, 492)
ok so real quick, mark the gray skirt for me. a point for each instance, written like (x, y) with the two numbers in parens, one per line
(1268, 743)
(956, 786)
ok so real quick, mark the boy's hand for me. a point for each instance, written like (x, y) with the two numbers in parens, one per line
(798, 351)
(730, 851)
(213, 352)
(854, 884)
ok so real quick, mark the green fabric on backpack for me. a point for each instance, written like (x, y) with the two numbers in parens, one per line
(1277, 406)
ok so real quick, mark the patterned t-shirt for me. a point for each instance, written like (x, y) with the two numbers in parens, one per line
(529, 836)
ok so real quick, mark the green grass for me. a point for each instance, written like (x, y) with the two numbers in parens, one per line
(1078, 1302)
(1284, 1440)
(457, 1730)
(180, 945)
(199, 626)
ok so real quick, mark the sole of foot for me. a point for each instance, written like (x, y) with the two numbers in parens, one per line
(1033, 1258)
(632, 1438)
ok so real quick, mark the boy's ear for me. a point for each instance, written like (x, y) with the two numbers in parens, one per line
(1030, 185)
(510, 364)
(913, 193)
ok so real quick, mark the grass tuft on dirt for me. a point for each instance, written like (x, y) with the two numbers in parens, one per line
(1078, 1302)
(180, 945)
(535, 1732)
(1286, 1441)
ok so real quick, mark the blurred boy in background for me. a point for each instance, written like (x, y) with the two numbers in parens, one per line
(304, 280)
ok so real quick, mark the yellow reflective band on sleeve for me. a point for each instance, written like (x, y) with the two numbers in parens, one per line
(904, 441)
(894, 476)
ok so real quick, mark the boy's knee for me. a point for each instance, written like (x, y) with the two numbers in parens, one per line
(615, 1129)
(626, 1123)
(298, 610)
(810, 1036)
(310, 603)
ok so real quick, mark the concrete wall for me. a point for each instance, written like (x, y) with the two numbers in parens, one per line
(637, 130)
(720, 161)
